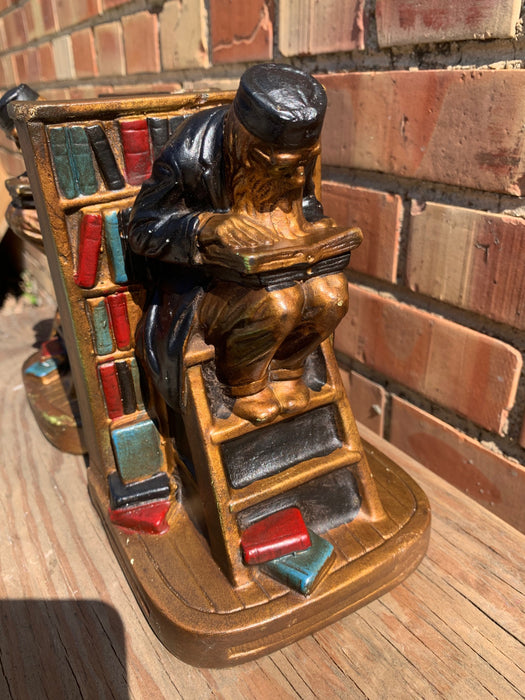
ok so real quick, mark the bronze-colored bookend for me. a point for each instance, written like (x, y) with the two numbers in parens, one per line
(199, 284)
(46, 375)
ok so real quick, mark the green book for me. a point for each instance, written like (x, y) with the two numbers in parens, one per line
(63, 171)
(81, 160)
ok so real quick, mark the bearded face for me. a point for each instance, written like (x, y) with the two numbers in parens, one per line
(263, 175)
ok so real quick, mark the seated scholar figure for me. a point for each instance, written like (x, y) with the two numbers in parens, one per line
(236, 180)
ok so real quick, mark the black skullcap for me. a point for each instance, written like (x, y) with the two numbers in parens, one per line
(281, 105)
(21, 93)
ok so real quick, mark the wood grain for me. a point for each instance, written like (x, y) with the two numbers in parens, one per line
(70, 627)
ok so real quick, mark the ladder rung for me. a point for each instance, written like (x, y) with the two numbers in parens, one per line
(263, 489)
(228, 428)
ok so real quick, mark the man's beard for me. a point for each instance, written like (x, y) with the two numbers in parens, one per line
(255, 190)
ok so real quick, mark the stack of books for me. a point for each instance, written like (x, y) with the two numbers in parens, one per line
(287, 550)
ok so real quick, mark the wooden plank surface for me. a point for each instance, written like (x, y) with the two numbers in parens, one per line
(70, 627)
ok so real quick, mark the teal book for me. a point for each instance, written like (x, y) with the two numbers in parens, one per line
(103, 340)
(303, 571)
(42, 368)
(114, 247)
(137, 450)
(58, 143)
(81, 160)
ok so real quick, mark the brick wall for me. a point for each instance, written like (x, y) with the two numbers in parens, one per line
(424, 148)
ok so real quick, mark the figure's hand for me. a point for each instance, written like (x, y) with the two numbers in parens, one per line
(235, 231)
(321, 225)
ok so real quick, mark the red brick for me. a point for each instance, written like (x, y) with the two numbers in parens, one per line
(459, 368)
(489, 478)
(58, 93)
(311, 27)
(183, 35)
(457, 127)
(241, 31)
(6, 72)
(379, 215)
(85, 92)
(367, 399)
(470, 259)
(71, 13)
(33, 66)
(146, 88)
(84, 55)
(15, 29)
(46, 61)
(29, 21)
(107, 4)
(141, 30)
(414, 22)
(49, 15)
(110, 49)
(3, 40)
(20, 67)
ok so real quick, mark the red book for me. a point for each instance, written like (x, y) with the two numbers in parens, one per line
(278, 534)
(52, 347)
(150, 517)
(110, 387)
(118, 313)
(136, 149)
(89, 250)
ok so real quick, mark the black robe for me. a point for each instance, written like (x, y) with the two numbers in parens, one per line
(188, 179)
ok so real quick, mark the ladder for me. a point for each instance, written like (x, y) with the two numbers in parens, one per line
(222, 460)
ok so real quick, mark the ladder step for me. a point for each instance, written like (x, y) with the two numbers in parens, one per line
(224, 429)
(264, 489)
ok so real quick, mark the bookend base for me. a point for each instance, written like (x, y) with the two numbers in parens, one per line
(50, 392)
(207, 622)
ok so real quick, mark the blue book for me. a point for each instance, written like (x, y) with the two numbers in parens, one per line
(42, 368)
(137, 450)
(103, 340)
(303, 571)
(114, 247)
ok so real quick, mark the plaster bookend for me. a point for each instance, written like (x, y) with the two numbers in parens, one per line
(199, 284)
(46, 375)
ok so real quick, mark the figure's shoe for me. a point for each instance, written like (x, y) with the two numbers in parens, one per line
(292, 394)
(258, 408)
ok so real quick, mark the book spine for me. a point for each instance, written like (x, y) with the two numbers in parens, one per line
(114, 247)
(63, 170)
(81, 160)
(127, 390)
(103, 341)
(89, 250)
(105, 157)
(136, 265)
(136, 149)
(110, 387)
(118, 312)
(136, 383)
(158, 129)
